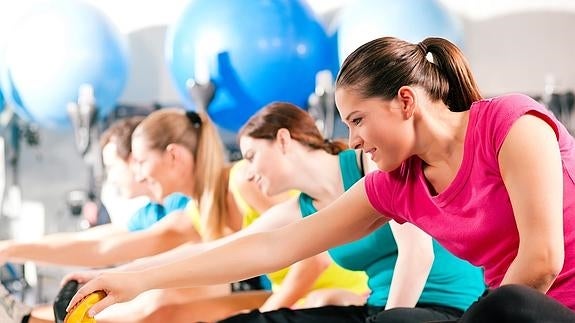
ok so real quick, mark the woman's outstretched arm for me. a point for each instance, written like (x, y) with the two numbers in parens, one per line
(249, 256)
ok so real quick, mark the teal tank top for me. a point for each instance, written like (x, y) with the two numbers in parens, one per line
(452, 282)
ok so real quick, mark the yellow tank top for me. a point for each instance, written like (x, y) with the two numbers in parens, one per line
(333, 277)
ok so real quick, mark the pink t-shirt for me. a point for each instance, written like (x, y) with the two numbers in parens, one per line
(473, 217)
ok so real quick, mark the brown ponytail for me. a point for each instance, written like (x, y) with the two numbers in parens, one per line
(199, 135)
(281, 115)
(380, 67)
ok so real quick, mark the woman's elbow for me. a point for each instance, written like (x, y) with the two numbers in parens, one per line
(555, 264)
(548, 267)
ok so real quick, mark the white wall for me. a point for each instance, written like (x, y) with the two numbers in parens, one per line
(515, 51)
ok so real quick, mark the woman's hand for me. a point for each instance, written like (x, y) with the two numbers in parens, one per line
(118, 286)
(82, 277)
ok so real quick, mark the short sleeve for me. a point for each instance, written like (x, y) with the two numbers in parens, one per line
(379, 189)
(506, 110)
(175, 202)
(145, 217)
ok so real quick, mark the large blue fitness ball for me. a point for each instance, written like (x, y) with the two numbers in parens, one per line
(254, 51)
(410, 20)
(54, 50)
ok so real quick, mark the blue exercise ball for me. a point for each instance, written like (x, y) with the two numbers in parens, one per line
(254, 52)
(410, 20)
(54, 50)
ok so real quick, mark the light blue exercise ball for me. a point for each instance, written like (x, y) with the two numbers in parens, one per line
(410, 20)
(54, 50)
(254, 51)
(2, 102)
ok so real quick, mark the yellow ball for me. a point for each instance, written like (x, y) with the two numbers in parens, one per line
(79, 314)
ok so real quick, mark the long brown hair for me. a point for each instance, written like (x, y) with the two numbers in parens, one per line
(277, 115)
(380, 67)
(198, 134)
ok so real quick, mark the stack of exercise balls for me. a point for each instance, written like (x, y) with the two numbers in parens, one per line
(254, 52)
(54, 50)
(411, 20)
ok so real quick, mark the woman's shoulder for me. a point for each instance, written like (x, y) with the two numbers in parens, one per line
(508, 103)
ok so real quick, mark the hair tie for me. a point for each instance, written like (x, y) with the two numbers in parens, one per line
(194, 118)
(428, 55)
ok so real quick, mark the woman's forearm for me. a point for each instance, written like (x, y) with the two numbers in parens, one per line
(266, 222)
(70, 248)
(245, 258)
(169, 256)
(79, 253)
(298, 282)
(93, 252)
(414, 261)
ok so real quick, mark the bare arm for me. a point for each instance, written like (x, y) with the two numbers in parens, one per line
(531, 168)
(414, 259)
(298, 282)
(249, 256)
(96, 251)
(276, 217)
(58, 248)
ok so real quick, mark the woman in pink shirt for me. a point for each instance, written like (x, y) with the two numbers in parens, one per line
(492, 180)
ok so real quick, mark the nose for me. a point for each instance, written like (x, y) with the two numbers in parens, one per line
(249, 174)
(137, 172)
(355, 140)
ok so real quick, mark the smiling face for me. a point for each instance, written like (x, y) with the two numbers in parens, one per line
(266, 164)
(156, 169)
(119, 172)
(379, 127)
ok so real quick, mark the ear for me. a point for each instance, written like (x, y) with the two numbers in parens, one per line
(173, 152)
(283, 138)
(406, 96)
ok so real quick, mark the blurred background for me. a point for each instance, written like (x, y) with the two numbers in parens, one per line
(68, 68)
